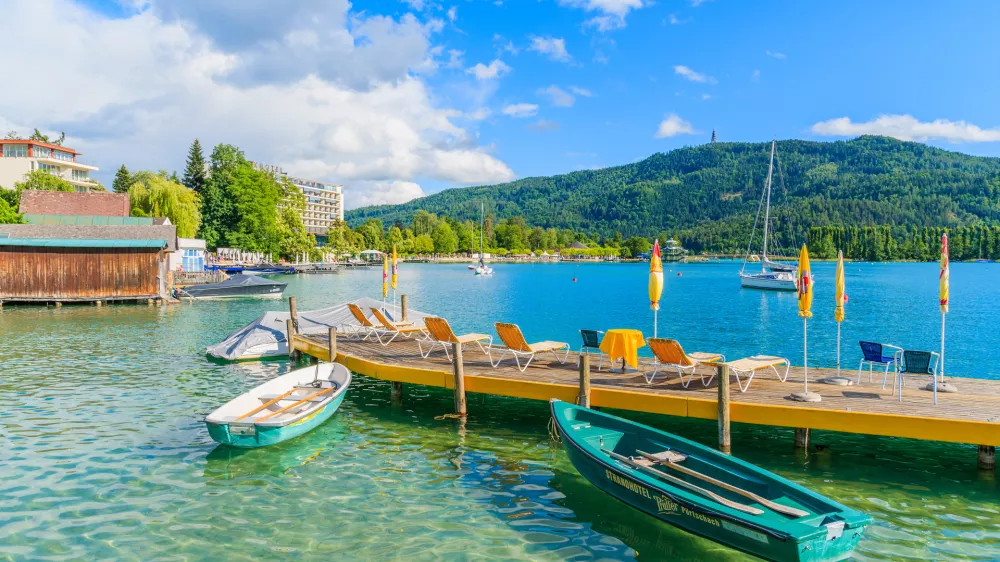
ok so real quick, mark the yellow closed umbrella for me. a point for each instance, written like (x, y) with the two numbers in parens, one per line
(805, 287)
(943, 298)
(385, 277)
(655, 282)
(395, 269)
(839, 297)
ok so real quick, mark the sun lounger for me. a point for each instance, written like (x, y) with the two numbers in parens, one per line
(513, 338)
(442, 335)
(365, 329)
(669, 353)
(395, 329)
(749, 366)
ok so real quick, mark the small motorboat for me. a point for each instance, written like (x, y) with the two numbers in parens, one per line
(235, 286)
(769, 280)
(706, 492)
(281, 408)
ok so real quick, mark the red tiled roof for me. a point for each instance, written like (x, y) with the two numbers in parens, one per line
(92, 203)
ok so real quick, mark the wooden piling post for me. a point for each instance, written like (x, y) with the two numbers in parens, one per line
(149, 302)
(333, 344)
(584, 399)
(460, 404)
(290, 330)
(293, 311)
(722, 373)
(99, 303)
(801, 438)
(397, 393)
(987, 457)
(403, 306)
(58, 304)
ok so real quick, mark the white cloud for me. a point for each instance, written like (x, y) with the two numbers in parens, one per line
(559, 97)
(693, 76)
(503, 44)
(554, 47)
(478, 114)
(696, 3)
(495, 69)
(543, 126)
(581, 91)
(453, 13)
(144, 88)
(908, 128)
(415, 4)
(776, 55)
(613, 11)
(755, 76)
(706, 96)
(362, 194)
(674, 20)
(672, 125)
(520, 109)
(455, 59)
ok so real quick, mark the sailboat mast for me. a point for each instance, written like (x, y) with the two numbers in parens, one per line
(767, 208)
(482, 226)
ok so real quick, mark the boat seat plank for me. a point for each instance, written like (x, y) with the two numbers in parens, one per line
(293, 397)
(783, 509)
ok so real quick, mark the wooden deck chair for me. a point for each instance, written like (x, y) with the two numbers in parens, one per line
(750, 366)
(441, 334)
(365, 329)
(396, 329)
(670, 354)
(513, 338)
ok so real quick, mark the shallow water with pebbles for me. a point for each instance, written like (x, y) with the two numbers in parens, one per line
(103, 456)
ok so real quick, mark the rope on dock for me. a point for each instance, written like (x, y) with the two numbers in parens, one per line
(553, 432)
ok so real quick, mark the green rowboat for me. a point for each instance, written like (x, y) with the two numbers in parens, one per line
(704, 491)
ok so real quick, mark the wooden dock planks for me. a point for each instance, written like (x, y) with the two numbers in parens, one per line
(972, 416)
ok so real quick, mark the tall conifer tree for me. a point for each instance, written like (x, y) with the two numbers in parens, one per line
(194, 172)
(122, 180)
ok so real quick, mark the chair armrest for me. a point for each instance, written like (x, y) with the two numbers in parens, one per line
(896, 347)
(937, 361)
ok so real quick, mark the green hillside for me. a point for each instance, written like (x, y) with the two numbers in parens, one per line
(708, 195)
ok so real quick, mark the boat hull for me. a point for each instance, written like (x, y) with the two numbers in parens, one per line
(264, 436)
(767, 283)
(699, 518)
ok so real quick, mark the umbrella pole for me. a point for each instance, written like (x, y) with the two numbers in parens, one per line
(805, 353)
(838, 349)
(655, 326)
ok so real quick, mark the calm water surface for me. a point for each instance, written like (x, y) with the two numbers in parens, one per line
(103, 454)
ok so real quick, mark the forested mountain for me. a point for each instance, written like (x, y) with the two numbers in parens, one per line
(708, 195)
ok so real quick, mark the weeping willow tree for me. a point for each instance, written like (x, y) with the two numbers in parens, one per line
(155, 195)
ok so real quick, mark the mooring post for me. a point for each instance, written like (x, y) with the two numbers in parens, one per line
(333, 344)
(290, 330)
(722, 372)
(403, 308)
(293, 311)
(460, 405)
(98, 303)
(987, 457)
(584, 399)
(801, 438)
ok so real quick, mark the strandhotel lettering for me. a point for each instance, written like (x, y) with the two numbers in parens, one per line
(627, 484)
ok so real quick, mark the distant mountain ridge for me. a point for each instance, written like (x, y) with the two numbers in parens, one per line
(708, 195)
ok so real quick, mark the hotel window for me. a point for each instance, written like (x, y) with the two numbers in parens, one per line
(42, 152)
(15, 151)
(60, 155)
(48, 167)
(80, 175)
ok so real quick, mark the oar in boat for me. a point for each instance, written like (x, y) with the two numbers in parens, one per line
(265, 405)
(668, 461)
(304, 400)
(677, 481)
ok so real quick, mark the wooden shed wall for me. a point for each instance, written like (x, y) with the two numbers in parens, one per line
(41, 273)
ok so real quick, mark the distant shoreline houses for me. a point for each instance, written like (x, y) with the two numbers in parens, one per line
(324, 201)
(22, 156)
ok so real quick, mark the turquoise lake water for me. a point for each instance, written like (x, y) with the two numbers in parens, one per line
(103, 453)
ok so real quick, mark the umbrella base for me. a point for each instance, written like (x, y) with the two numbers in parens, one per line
(942, 387)
(837, 381)
(806, 397)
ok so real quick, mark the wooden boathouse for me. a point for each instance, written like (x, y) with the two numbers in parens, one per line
(970, 417)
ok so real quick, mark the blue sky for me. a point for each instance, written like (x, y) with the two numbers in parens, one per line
(398, 99)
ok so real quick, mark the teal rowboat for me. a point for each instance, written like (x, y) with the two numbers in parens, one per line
(281, 408)
(704, 491)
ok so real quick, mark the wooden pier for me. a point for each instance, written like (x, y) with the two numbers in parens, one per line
(971, 416)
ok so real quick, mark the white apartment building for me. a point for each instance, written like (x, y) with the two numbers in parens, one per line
(324, 204)
(20, 156)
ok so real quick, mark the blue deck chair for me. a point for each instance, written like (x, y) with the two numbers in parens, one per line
(591, 341)
(915, 363)
(878, 354)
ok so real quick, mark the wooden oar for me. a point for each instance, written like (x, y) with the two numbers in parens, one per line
(677, 481)
(290, 406)
(265, 405)
(787, 510)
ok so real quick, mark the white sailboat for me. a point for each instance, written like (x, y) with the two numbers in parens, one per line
(773, 275)
(482, 268)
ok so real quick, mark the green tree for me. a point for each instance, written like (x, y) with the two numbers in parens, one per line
(9, 215)
(123, 180)
(42, 180)
(423, 222)
(423, 244)
(445, 241)
(394, 239)
(154, 195)
(194, 171)
(38, 136)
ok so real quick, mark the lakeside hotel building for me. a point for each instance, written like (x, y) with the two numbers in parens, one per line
(324, 201)
(20, 156)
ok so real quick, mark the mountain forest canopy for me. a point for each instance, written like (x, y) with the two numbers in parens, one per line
(707, 196)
